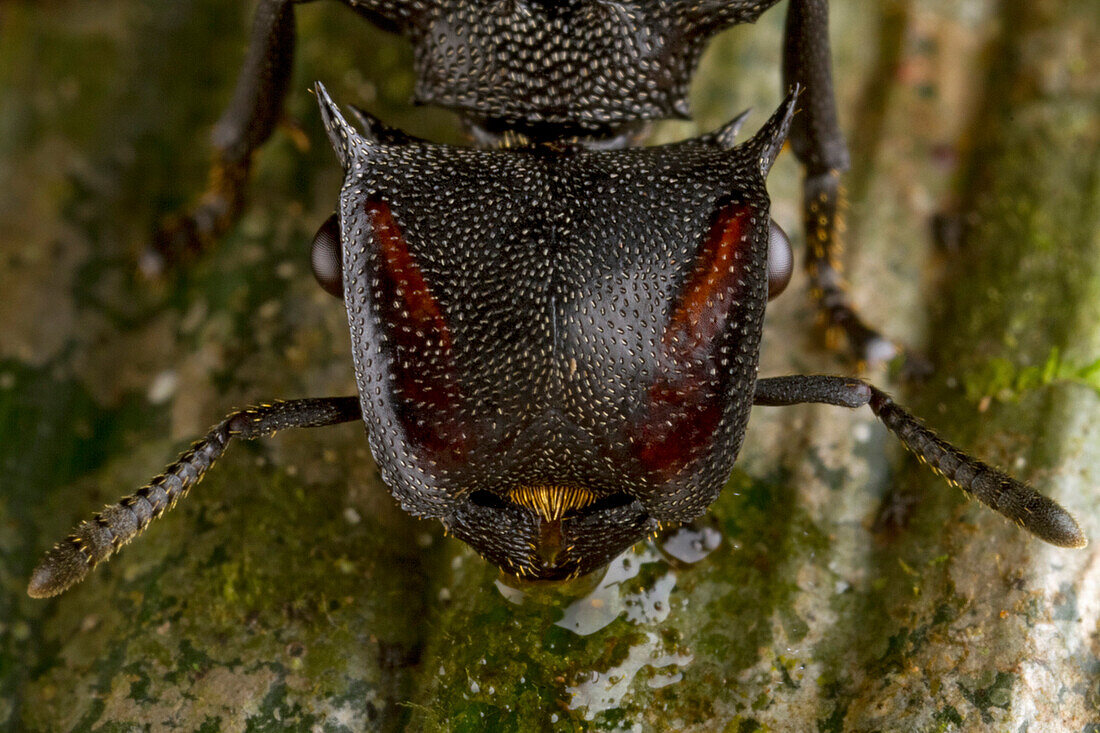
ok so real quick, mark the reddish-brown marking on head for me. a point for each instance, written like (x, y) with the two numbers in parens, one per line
(703, 308)
(685, 402)
(399, 267)
(420, 346)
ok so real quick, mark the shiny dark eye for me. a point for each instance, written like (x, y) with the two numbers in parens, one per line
(326, 257)
(780, 260)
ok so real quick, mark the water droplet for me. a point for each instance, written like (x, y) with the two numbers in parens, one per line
(691, 544)
(597, 691)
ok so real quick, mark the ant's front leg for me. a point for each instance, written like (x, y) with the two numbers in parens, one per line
(818, 143)
(94, 541)
(245, 125)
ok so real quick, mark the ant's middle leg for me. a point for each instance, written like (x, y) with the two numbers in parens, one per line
(819, 145)
(247, 123)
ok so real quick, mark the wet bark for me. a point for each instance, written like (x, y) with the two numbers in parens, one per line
(836, 585)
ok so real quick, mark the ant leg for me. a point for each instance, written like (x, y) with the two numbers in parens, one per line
(818, 143)
(244, 126)
(1014, 499)
(796, 390)
(93, 541)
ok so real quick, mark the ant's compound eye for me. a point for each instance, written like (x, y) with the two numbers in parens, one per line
(780, 260)
(326, 257)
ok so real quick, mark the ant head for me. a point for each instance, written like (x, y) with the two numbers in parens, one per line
(555, 351)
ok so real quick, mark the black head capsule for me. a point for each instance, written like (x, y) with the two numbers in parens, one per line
(780, 260)
(326, 257)
(551, 450)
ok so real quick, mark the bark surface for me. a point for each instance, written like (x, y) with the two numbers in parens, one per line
(836, 585)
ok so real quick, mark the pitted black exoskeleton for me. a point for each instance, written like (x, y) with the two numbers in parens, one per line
(565, 340)
(590, 71)
(555, 344)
